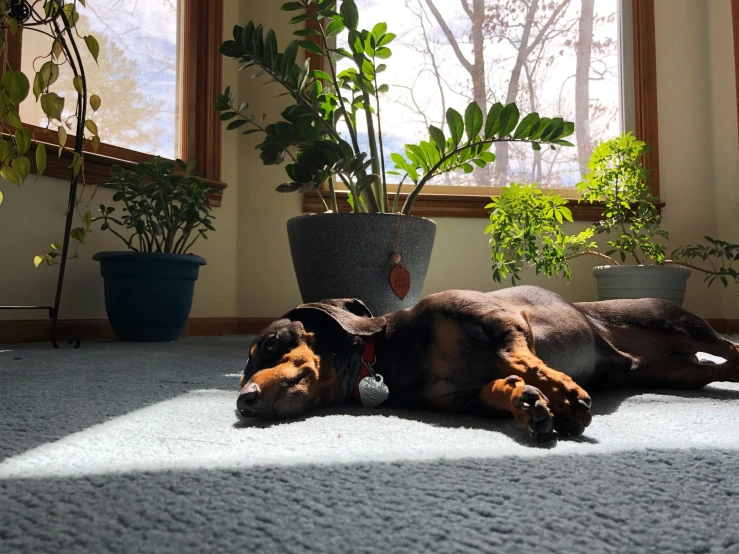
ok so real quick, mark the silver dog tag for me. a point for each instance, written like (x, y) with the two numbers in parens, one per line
(373, 391)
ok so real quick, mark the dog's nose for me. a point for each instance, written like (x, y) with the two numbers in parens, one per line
(249, 398)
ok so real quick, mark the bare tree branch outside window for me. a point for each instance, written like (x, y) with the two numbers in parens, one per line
(558, 57)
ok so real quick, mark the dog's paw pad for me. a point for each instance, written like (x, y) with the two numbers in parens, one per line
(533, 413)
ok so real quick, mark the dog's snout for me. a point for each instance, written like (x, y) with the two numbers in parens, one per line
(248, 399)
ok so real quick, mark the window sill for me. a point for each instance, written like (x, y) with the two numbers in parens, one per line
(97, 168)
(450, 205)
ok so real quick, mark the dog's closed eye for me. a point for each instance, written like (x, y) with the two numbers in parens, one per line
(302, 374)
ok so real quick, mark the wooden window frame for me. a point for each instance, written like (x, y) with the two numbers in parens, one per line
(202, 25)
(646, 128)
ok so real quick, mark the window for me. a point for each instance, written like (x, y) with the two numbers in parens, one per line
(588, 61)
(157, 73)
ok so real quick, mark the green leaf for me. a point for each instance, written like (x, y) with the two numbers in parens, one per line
(23, 140)
(334, 28)
(385, 40)
(525, 126)
(473, 120)
(437, 135)
(289, 57)
(318, 74)
(305, 33)
(22, 165)
(77, 83)
(350, 14)
(40, 159)
(14, 120)
(91, 126)
(78, 234)
(47, 75)
(508, 120)
(95, 102)
(37, 260)
(11, 175)
(16, 86)
(311, 46)
(383, 53)
(291, 6)
(379, 30)
(52, 104)
(92, 46)
(61, 135)
(492, 124)
(236, 124)
(270, 50)
(456, 125)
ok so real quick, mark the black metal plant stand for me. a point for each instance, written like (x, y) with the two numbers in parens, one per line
(23, 12)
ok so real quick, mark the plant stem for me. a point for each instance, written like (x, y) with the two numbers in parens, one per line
(592, 253)
(377, 185)
(320, 196)
(397, 194)
(332, 191)
(334, 79)
(386, 206)
(432, 172)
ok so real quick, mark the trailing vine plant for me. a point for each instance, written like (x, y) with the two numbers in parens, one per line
(57, 20)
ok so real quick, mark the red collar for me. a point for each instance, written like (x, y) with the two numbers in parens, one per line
(368, 358)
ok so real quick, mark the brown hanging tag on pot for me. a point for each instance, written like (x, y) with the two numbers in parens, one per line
(400, 281)
(400, 277)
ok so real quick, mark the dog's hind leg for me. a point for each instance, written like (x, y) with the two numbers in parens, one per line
(528, 404)
(685, 371)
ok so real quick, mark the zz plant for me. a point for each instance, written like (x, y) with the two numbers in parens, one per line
(164, 210)
(526, 223)
(326, 101)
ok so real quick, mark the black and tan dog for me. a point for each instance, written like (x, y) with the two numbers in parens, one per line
(524, 350)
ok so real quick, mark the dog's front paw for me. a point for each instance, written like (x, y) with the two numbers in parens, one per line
(532, 412)
(570, 404)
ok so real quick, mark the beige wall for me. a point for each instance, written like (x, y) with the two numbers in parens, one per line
(32, 217)
(250, 272)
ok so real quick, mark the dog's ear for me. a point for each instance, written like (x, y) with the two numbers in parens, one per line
(352, 305)
(350, 314)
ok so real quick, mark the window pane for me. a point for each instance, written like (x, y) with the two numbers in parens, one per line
(137, 77)
(531, 52)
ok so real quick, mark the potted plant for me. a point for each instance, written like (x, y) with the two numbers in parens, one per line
(526, 232)
(355, 254)
(149, 287)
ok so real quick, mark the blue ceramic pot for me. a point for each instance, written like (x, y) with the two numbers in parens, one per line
(148, 295)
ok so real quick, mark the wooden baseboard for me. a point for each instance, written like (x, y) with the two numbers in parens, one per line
(39, 330)
(725, 326)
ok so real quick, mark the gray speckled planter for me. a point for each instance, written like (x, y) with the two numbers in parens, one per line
(348, 256)
(642, 281)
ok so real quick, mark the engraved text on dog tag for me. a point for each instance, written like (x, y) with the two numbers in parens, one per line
(373, 391)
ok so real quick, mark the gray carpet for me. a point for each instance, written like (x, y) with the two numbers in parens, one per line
(136, 448)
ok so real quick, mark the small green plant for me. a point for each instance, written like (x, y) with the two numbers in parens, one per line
(163, 208)
(525, 228)
(310, 134)
(617, 178)
(526, 223)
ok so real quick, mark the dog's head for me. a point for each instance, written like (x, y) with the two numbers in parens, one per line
(284, 376)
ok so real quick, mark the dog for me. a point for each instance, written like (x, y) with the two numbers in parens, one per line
(523, 350)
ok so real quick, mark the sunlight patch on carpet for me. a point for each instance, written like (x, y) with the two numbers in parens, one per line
(200, 430)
